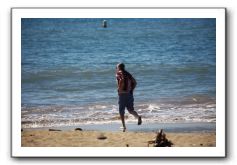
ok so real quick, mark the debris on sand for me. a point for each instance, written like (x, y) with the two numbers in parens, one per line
(55, 130)
(101, 137)
(160, 140)
(78, 129)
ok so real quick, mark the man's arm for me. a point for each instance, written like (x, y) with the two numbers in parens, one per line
(120, 84)
(134, 82)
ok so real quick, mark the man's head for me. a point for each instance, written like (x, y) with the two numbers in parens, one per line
(121, 67)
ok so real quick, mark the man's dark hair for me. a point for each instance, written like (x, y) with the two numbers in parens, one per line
(121, 66)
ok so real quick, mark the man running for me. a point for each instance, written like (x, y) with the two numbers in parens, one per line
(126, 85)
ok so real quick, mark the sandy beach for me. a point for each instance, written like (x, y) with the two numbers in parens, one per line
(85, 138)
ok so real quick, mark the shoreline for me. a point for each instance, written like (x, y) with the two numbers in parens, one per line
(186, 127)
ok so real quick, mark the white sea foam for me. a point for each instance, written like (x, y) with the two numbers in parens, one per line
(98, 114)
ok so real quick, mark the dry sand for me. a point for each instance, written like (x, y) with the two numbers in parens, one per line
(45, 138)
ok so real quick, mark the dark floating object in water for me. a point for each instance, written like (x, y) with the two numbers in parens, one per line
(78, 129)
(160, 141)
(104, 24)
(21, 130)
(55, 130)
(101, 137)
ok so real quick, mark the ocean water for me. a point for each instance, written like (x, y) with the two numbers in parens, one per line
(68, 70)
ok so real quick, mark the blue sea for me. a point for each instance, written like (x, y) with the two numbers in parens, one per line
(68, 70)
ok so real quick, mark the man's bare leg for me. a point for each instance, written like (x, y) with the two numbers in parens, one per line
(123, 122)
(134, 113)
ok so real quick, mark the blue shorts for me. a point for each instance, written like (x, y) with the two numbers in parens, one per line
(125, 101)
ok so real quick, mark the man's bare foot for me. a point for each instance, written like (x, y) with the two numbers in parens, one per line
(123, 128)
